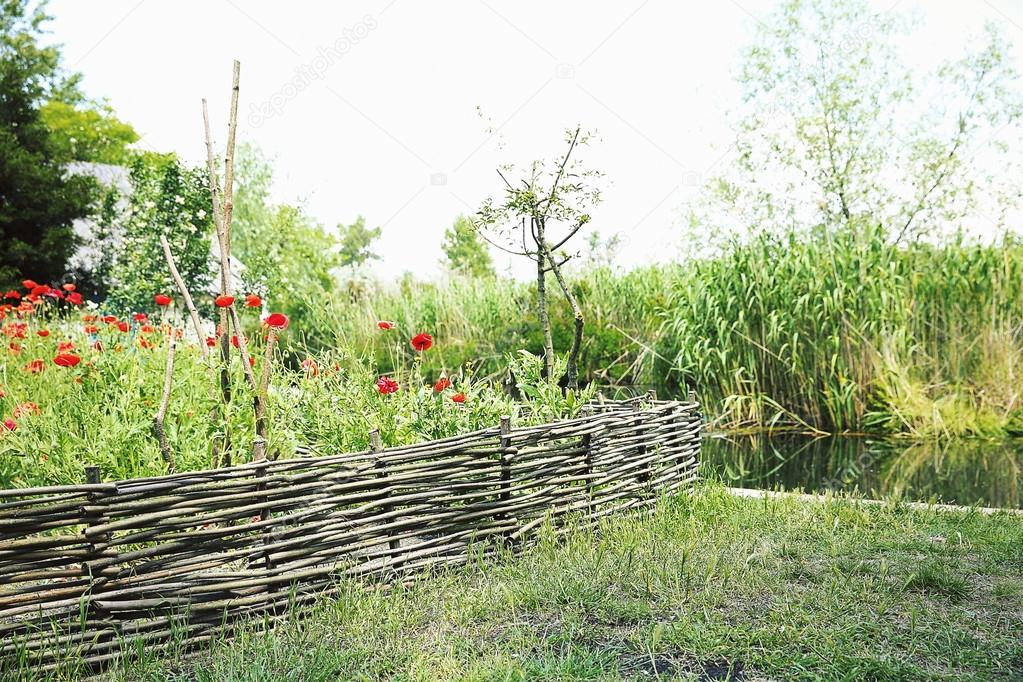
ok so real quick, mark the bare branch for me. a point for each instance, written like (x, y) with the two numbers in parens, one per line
(183, 290)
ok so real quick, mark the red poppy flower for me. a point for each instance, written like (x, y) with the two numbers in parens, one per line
(109, 319)
(66, 360)
(13, 294)
(422, 341)
(386, 385)
(43, 333)
(26, 408)
(88, 318)
(252, 361)
(140, 317)
(223, 301)
(211, 341)
(91, 329)
(123, 326)
(385, 325)
(253, 301)
(441, 384)
(65, 346)
(234, 341)
(147, 329)
(278, 321)
(10, 424)
(74, 298)
(69, 287)
(458, 398)
(29, 283)
(162, 299)
(34, 367)
(310, 367)
(145, 343)
(14, 347)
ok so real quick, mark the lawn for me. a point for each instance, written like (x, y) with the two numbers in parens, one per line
(709, 587)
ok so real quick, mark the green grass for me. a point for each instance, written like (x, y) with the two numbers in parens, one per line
(766, 589)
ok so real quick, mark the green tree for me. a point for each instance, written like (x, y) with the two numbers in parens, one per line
(549, 196)
(836, 130)
(356, 243)
(170, 199)
(88, 132)
(288, 257)
(40, 200)
(465, 251)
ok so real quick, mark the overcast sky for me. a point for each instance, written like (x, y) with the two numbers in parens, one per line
(371, 108)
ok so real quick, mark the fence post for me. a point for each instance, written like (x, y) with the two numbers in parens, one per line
(264, 515)
(505, 495)
(643, 475)
(377, 447)
(92, 477)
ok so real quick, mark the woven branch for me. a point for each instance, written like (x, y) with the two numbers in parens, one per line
(88, 569)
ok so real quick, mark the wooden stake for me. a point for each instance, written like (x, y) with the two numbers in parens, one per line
(161, 413)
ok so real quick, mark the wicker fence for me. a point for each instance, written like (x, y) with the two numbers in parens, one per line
(88, 570)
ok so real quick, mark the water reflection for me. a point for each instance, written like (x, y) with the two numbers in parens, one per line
(968, 472)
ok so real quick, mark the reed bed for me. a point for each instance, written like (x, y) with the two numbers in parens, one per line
(88, 571)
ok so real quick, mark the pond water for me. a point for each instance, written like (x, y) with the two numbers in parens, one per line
(988, 473)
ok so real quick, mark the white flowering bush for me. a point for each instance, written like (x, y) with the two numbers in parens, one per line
(167, 198)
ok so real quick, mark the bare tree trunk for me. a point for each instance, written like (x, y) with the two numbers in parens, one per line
(572, 374)
(541, 300)
(161, 413)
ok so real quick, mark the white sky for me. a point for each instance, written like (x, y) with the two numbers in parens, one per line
(383, 122)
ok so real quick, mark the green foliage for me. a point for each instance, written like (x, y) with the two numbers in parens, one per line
(824, 86)
(356, 243)
(166, 198)
(465, 251)
(485, 320)
(853, 333)
(40, 201)
(546, 399)
(288, 257)
(88, 133)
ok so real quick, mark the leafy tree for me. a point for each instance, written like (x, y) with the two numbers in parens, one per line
(837, 131)
(288, 257)
(89, 132)
(40, 200)
(601, 252)
(465, 251)
(356, 243)
(170, 199)
(549, 197)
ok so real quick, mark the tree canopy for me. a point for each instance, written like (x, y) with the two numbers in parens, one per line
(838, 130)
(465, 252)
(40, 200)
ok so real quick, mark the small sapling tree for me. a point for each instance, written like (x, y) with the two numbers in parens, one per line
(539, 215)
